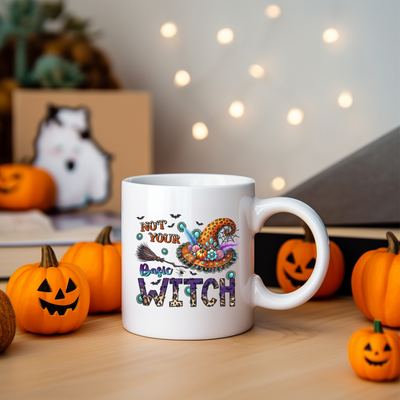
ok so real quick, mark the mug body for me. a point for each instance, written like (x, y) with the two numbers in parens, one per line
(187, 256)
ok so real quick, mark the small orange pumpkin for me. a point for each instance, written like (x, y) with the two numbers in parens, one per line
(101, 262)
(375, 355)
(49, 297)
(23, 187)
(7, 321)
(296, 260)
(375, 283)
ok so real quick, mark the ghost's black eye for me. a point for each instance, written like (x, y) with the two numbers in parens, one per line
(387, 348)
(311, 264)
(290, 258)
(71, 286)
(44, 287)
(368, 347)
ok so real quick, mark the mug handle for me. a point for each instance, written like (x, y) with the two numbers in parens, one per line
(261, 210)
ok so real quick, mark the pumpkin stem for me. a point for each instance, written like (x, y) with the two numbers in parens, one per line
(308, 236)
(104, 236)
(393, 243)
(49, 258)
(378, 326)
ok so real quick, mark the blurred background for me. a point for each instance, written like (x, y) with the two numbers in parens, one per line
(300, 70)
(281, 90)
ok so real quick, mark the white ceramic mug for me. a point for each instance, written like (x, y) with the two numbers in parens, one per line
(188, 255)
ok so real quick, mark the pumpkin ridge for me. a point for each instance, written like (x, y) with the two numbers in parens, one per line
(357, 276)
(112, 276)
(23, 287)
(71, 274)
(378, 277)
(392, 300)
(103, 277)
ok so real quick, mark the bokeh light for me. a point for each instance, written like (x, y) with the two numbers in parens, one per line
(273, 11)
(295, 116)
(256, 71)
(225, 36)
(330, 35)
(345, 99)
(182, 78)
(199, 131)
(278, 183)
(168, 30)
(236, 109)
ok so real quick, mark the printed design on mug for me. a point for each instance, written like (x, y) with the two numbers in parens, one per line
(210, 250)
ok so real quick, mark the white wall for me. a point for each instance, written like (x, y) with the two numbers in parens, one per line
(301, 71)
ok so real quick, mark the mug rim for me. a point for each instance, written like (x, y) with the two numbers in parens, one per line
(155, 180)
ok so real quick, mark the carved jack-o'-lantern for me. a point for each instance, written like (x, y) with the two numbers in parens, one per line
(375, 355)
(49, 297)
(296, 262)
(24, 187)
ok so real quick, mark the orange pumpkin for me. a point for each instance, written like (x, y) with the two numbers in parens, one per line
(375, 355)
(101, 262)
(296, 261)
(23, 187)
(375, 283)
(49, 297)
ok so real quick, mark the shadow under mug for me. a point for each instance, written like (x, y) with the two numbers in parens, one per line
(188, 255)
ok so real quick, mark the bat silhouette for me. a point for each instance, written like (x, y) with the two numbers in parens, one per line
(175, 216)
(156, 282)
(140, 217)
(199, 223)
(192, 273)
(171, 226)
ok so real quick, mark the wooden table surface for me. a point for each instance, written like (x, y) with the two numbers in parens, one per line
(295, 354)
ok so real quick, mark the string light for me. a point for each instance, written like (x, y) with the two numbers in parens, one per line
(225, 36)
(345, 99)
(278, 183)
(273, 11)
(168, 30)
(236, 109)
(182, 78)
(199, 131)
(330, 35)
(256, 71)
(295, 116)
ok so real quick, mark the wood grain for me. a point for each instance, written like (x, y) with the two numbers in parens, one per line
(296, 354)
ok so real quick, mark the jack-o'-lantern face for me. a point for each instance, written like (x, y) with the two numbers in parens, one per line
(298, 265)
(11, 179)
(9, 182)
(377, 352)
(296, 261)
(62, 301)
(24, 187)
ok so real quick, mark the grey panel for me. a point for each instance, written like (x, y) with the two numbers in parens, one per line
(362, 189)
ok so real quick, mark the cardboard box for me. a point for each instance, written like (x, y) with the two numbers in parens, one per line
(121, 124)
